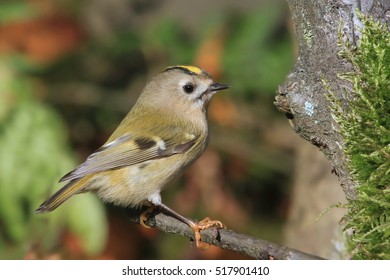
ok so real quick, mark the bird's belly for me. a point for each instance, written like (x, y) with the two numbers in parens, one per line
(132, 185)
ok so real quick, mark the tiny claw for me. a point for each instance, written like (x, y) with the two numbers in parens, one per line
(208, 223)
(202, 225)
(144, 216)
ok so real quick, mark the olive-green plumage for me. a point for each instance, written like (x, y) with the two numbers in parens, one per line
(165, 131)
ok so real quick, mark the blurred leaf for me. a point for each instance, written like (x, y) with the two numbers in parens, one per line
(34, 154)
(87, 219)
(258, 54)
(15, 10)
(169, 33)
(43, 39)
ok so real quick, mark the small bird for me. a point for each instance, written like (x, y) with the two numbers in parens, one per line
(164, 133)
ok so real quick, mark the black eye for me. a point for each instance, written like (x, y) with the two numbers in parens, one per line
(189, 88)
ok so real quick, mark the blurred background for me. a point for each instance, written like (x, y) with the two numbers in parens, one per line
(69, 72)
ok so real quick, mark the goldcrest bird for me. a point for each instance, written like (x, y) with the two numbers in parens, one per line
(164, 133)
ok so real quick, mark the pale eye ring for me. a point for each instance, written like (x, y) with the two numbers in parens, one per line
(189, 88)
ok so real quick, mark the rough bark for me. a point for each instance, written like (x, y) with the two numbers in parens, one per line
(303, 94)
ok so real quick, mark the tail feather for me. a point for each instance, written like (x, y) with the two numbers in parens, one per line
(72, 187)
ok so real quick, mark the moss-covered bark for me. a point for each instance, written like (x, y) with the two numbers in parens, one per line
(304, 99)
(365, 128)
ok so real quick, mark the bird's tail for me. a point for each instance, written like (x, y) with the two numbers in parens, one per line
(72, 187)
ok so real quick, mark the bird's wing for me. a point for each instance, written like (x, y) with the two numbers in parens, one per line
(129, 150)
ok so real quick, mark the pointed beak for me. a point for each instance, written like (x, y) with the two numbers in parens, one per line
(216, 87)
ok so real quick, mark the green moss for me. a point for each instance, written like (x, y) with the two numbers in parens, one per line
(364, 125)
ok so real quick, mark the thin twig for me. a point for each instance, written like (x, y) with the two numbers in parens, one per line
(224, 238)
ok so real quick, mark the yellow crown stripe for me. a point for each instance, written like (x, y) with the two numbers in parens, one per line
(187, 68)
(193, 69)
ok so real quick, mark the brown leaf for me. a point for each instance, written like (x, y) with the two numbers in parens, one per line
(43, 39)
(209, 54)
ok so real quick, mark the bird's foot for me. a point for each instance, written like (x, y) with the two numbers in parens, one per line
(203, 225)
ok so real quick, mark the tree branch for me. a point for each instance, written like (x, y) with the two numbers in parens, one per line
(224, 238)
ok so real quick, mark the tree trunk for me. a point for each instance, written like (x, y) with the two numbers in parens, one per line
(303, 94)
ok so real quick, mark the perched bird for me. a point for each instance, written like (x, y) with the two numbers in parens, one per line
(164, 133)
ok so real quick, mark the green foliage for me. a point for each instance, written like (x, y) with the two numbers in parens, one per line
(13, 10)
(34, 154)
(257, 57)
(169, 33)
(365, 127)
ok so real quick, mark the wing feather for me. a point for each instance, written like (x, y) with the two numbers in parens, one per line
(127, 150)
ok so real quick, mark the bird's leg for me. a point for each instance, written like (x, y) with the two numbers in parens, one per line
(197, 227)
(206, 223)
